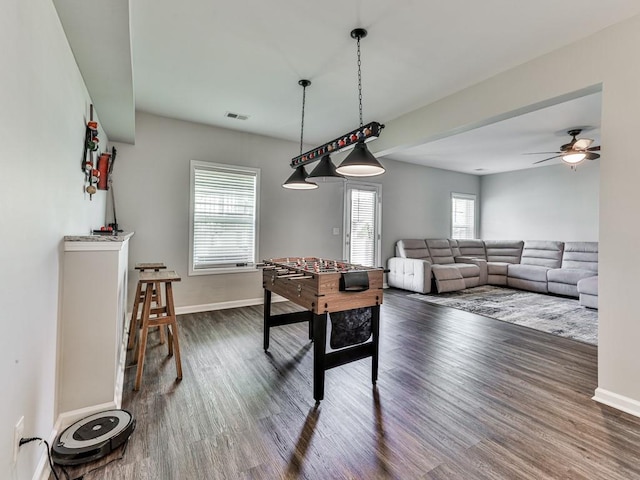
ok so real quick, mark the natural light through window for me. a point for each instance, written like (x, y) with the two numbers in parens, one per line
(224, 206)
(463, 216)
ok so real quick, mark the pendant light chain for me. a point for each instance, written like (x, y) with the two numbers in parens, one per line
(360, 83)
(304, 96)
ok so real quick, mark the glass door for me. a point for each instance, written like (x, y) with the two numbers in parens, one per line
(363, 215)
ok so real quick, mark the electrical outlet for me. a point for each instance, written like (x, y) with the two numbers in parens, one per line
(18, 433)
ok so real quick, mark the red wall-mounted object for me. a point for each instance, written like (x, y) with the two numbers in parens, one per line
(103, 168)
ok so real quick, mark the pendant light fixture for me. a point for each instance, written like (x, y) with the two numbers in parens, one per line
(298, 179)
(360, 162)
(326, 170)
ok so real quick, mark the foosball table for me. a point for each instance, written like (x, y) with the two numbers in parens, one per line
(346, 294)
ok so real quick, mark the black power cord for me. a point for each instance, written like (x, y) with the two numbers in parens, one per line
(33, 439)
(53, 470)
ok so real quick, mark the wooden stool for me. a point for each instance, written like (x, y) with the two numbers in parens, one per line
(139, 298)
(164, 315)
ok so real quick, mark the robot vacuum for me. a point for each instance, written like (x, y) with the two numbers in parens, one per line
(92, 437)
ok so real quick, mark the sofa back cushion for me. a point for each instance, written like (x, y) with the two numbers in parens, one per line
(580, 255)
(542, 253)
(440, 251)
(504, 251)
(455, 249)
(472, 248)
(412, 248)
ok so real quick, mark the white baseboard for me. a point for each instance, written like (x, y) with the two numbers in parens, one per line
(224, 305)
(620, 402)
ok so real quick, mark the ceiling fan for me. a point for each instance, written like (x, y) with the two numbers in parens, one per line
(574, 152)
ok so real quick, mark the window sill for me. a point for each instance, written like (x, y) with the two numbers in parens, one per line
(222, 270)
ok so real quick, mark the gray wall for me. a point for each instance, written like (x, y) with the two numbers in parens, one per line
(546, 203)
(44, 107)
(417, 201)
(151, 185)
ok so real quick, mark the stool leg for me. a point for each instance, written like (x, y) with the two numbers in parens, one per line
(173, 329)
(133, 324)
(158, 300)
(142, 346)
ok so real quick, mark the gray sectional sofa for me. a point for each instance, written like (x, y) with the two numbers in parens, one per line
(560, 268)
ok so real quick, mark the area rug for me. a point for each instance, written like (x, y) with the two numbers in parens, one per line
(557, 315)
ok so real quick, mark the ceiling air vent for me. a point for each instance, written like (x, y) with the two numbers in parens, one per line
(236, 116)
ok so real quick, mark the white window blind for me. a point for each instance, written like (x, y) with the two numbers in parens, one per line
(362, 249)
(224, 216)
(463, 216)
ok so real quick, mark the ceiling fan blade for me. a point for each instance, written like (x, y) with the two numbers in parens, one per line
(592, 156)
(550, 158)
(540, 153)
(594, 149)
(582, 144)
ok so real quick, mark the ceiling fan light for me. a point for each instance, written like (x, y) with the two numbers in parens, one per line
(573, 158)
(360, 163)
(297, 180)
(326, 170)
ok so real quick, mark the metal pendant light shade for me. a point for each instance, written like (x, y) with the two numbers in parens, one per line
(326, 170)
(298, 180)
(360, 163)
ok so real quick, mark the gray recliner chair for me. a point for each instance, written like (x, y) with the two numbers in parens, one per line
(579, 261)
(452, 272)
(538, 257)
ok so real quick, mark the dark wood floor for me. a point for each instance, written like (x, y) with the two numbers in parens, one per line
(459, 396)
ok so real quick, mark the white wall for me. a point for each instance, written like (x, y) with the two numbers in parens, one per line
(546, 203)
(555, 76)
(42, 119)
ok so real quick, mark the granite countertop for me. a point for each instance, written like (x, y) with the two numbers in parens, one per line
(120, 237)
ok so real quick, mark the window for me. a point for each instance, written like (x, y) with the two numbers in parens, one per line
(362, 224)
(463, 216)
(224, 218)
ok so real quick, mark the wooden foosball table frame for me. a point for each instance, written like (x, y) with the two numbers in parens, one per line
(323, 287)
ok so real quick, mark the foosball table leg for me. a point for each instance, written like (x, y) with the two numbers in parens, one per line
(311, 325)
(319, 341)
(267, 316)
(375, 330)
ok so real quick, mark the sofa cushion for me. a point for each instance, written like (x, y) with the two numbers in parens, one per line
(537, 273)
(570, 276)
(542, 253)
(440, 251)
(472, 248)
(497, 268)
(412, 248)
(448, 278)
(504, 251)
(453, 243)
(581, 256)
(588, 285)
(468, 269)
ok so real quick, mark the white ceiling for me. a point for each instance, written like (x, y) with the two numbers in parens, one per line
(501, 146)
(198, 59)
